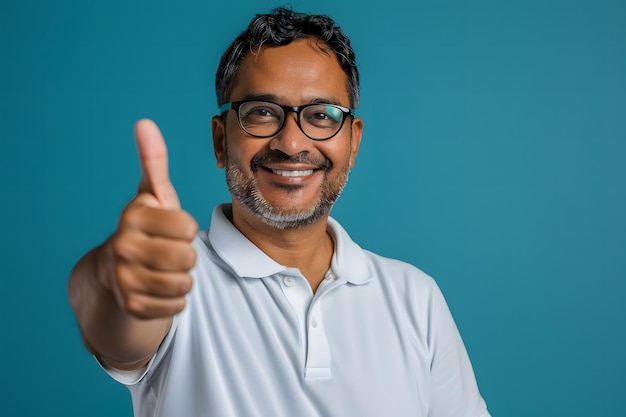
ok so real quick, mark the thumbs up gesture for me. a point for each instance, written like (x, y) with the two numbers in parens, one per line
(150, 254)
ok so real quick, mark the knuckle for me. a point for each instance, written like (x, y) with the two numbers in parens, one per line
(122, 246)
(126, 299)
(179, 305)
(190, 228)
(123, 279)
(185, 225)
(135, 307)
(131, 216)
(189, 258)
(185, 284)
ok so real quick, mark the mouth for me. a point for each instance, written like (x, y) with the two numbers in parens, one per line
(291, 173)
(300, 165)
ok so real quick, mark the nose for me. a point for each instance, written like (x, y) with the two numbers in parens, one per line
(290, 140)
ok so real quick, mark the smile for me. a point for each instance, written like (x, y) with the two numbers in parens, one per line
(289, 173)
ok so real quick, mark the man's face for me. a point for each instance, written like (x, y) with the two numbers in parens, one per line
(288, 180)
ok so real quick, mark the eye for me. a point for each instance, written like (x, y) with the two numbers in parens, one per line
(260, 112)
(334, 113)
(323, 115)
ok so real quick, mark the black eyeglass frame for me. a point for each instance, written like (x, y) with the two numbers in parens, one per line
(235, 105)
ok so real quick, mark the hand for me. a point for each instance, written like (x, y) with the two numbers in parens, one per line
(149, 256)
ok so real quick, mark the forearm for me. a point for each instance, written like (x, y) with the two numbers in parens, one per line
(116, 337)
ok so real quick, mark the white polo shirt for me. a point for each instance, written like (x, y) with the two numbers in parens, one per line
(376, 339)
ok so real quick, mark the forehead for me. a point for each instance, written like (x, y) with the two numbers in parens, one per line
(297, 73)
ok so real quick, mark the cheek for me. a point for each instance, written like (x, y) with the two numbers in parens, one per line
(235, 146)
(241, 151)
(339, 153)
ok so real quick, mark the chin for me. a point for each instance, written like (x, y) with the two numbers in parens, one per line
(288, 219)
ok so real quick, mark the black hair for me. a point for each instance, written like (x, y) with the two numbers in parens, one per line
(278, 28)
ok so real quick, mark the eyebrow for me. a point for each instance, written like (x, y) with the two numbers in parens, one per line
(274, 98)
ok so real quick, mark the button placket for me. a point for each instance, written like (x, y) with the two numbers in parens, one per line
(307, 306)
(318, 352)
(299, 295)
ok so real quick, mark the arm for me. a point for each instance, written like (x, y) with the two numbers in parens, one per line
(110, 331)
(126, 291)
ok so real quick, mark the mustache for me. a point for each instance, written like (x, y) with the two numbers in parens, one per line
(264, 158)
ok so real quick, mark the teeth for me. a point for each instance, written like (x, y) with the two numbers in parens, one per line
(286, 173)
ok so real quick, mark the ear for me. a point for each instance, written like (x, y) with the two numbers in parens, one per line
(357, 132)
(219, 137)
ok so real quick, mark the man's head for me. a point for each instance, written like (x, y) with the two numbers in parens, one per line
(286, 133)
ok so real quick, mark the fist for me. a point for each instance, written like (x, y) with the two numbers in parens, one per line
(149, 256)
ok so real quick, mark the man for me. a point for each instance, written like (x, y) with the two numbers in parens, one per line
(273, 311)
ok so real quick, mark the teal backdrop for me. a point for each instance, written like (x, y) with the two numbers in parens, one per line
(493, 158)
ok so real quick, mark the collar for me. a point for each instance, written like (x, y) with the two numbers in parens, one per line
(349, 261)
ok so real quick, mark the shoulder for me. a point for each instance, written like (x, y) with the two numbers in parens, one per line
(363, 265)
(386, 266)
(401, 276)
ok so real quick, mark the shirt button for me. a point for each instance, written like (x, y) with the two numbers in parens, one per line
(314, 323)
(288, 281)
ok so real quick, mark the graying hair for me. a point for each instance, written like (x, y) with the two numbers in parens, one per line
(280, 27)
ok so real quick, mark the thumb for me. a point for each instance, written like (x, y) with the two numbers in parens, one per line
(152, 152)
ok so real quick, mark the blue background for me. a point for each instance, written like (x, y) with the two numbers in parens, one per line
(493, 159)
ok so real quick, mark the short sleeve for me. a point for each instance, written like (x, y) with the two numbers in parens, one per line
(130, 378)
(454, 392)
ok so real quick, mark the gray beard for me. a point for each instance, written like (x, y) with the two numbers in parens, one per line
(244, 190)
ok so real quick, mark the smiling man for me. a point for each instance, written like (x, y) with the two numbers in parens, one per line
(273, 311)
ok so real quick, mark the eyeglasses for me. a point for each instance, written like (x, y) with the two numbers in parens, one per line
(264, 119)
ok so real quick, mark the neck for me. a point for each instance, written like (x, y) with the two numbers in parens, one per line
(309, 248)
